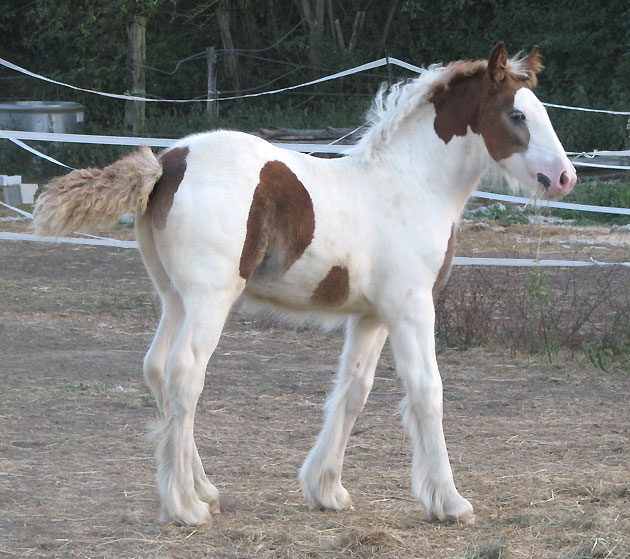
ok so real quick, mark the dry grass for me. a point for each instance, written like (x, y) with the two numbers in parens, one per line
(541, 449)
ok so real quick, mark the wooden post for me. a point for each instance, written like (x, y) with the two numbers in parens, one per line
(212, 107)
(136, 59)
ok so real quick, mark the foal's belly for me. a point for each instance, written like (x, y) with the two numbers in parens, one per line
(332, 292)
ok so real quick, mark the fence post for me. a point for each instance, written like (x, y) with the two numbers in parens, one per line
(212, 107)
(136, 59)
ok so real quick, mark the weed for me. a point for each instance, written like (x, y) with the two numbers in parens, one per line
(498, 212)
(95, 387)
(148, 401)
(539, 311)
(485, 551)
(542, 330)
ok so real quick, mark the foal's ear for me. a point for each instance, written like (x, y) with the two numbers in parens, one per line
(533, 65)
(497, 62)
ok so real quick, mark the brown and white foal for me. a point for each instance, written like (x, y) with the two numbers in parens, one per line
(365, 239)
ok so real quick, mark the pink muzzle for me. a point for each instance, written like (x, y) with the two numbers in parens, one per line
(560, 183)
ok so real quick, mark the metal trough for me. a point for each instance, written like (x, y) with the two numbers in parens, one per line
(63, 117)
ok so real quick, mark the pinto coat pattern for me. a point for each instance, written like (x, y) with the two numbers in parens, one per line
(366, 239)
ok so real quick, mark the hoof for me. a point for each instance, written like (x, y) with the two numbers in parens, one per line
(336, 498)
(448, 507)
(196, 515)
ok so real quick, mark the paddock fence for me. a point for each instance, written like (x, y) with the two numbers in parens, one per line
(19, 137)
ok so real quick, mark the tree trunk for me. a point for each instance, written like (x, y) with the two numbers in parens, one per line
(223, 19)
(314, 16)
(388, 25)
(136, 60)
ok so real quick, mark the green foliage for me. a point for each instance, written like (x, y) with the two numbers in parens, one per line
(84, 43)
(610, 348)
(539, 311)
(498, 212)
(614, 194)
(542, 333)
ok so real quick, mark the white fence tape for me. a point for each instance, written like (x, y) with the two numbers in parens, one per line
(457, 261)
(14, 135)
(94, 241)
(348, 72)
(86, 138)
(17, 210)
(38, 153)
(604, 111)
(305, 148)
(529, 262)
(550, 203)
(357, 69)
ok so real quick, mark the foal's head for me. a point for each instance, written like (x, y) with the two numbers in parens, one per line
(494, 99)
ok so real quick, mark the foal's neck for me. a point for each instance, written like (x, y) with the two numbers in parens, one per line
(421, 162)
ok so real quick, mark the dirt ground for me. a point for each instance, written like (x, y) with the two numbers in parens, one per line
(541, 450)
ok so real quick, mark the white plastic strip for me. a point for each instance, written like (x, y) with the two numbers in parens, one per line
(355, 70)
(304, 148)
(39, 153)
(18, 210)
(68, 240)
(457, 261)
(602, 166)
(625, 113)
(166, 142)
(549, 203)
(153, 142)
(406, 65)
(86, 138)
(529, 262)
(591, 154)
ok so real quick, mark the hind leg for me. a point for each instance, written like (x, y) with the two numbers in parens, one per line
(320, 475)
(155, 359)
(155, 374)
(181, 479)
(172, 318)
(170, 326)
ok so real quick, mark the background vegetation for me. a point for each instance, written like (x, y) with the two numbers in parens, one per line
(267, 44)
(585, 48)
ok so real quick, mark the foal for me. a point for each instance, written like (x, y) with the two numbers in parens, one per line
(366, 239)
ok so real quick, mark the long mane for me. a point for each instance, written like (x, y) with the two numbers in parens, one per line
(392, 105)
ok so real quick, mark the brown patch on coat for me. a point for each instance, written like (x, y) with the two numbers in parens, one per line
(161, 200)
(280, 225)
(334, 289)
(445, 269)
(480, 96)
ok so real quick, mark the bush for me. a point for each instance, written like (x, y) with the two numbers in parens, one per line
(539, 310)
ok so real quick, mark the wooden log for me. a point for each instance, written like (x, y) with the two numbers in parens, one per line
(291, 134)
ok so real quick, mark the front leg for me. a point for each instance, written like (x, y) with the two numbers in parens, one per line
(320, 475)
(413, 345)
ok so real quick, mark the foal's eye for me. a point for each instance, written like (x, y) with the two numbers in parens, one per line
(515, 114)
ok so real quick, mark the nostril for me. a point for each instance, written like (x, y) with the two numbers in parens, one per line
(564, 178)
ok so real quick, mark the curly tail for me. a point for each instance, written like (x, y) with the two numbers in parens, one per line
(88, 198)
